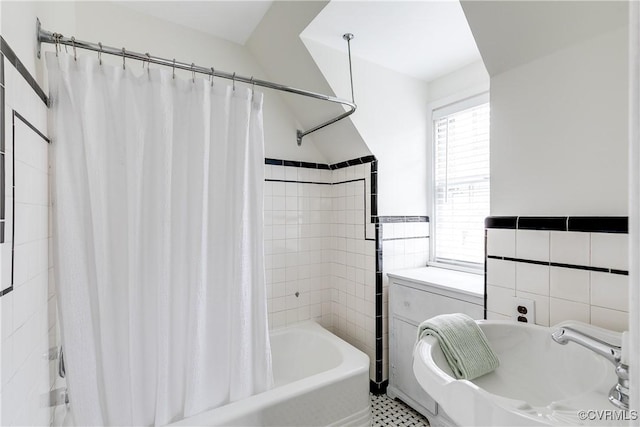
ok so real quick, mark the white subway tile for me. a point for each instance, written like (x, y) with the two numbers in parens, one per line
(610, 290)
(501, 273)
(501, 242)
(610, 250)
(569, 247)
(500, 300)
(496, 316)
(532, 245)
(570, 284)
(561, 310)
(532, 278)
(610, 319)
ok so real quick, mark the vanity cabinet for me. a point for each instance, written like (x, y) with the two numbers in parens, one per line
(416, 295)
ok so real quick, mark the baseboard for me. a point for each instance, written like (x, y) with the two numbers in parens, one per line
(378, 388)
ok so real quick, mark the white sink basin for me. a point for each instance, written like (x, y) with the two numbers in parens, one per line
(539, 382)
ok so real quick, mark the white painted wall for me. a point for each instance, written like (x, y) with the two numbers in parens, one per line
(460, 81)
(391, 118)
(115, 25)
(559, 132)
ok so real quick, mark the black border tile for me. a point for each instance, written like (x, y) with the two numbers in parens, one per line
(500, 222)
(552, 223)
(589, 224)
(558, 264)
(19, 66)
(599, 224)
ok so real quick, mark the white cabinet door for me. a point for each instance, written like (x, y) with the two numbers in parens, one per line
(415, 306)
(402, 369)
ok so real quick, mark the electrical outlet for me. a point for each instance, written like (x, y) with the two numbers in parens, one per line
(524, 310)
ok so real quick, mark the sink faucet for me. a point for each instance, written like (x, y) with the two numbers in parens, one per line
(619, 394)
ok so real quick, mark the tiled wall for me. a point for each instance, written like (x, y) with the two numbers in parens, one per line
(28, 301)
(320, 248)
(574, 268)
(405, 244)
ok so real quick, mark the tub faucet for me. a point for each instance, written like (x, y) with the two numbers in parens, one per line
(619, 394)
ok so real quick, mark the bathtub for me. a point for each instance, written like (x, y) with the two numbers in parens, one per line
(320, 380)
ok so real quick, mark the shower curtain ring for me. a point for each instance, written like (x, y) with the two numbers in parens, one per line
(212, 74)
(174, 68)
(233, 79)
(56, 38)
(193, 73)
(100, 53)
(123, 52)
(73, 43)
(253, 87)
(148, 63)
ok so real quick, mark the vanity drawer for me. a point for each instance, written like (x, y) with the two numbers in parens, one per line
(415, 305)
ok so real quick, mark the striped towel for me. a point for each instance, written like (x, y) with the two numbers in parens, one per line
(463, 343)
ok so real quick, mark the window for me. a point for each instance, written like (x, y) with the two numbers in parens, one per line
(461, 182)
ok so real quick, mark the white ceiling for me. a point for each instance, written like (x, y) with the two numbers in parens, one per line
(424, 39)
(230, 20)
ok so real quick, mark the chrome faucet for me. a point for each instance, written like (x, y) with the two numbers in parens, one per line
(619, 394)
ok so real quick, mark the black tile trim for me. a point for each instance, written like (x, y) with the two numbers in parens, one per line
(553, 223)
(592, 224)
(325, 166)
(19, 66)
(32, 127)
(395, 219)
(20, 117)
(2, 150)
(297, 182)
(559, 264)
(378, 388)
(404, 238)
(599, 224)
(500, 222)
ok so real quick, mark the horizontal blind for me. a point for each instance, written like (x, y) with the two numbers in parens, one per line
(461, 185)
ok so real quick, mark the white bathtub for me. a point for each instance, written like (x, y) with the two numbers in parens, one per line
(320, 380)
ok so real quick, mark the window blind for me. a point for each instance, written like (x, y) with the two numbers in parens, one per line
(461, 168)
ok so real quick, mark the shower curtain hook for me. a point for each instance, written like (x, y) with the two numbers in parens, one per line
(100, 53)
(174, 68)
(73, 43)
(193, 72)
(56, 40)
(253, 87)
(233, 79)
(123, 52)
(212, 73)
(148, 63)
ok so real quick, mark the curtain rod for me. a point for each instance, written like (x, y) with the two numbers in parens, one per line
(44, 36)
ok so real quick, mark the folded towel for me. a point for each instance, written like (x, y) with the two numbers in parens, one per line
(463, 343)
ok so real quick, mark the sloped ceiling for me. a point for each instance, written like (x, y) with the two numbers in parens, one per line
(512, 33)
(277, 46)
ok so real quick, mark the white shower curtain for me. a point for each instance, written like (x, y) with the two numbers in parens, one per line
(158, 250)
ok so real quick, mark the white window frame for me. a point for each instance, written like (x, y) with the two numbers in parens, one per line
(460, 101)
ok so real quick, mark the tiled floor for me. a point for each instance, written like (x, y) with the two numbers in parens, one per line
(388, 412)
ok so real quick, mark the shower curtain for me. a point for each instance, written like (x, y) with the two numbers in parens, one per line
(158, 250)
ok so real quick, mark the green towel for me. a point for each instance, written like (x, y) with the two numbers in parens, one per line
(463, 344)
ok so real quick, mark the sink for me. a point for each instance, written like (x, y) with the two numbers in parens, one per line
(538, 382)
